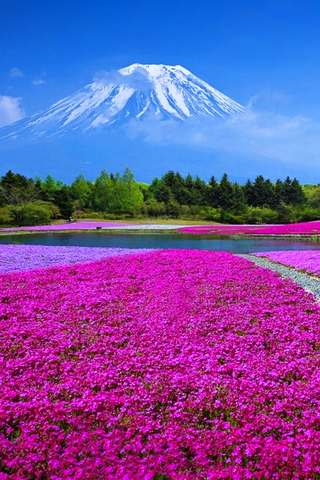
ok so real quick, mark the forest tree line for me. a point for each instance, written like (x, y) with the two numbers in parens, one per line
(27, 201)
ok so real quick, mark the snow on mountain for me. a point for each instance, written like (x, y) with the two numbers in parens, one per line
(134, 92)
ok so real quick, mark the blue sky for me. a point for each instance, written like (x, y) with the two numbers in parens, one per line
(242, 48)
(262, 53)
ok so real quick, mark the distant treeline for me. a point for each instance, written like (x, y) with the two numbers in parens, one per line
(26, 201)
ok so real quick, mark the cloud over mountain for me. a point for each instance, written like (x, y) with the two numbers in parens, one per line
(10, 110)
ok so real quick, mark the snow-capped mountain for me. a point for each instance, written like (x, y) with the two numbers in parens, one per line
(135, 92)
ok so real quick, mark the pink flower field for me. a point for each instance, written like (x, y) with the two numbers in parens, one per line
(66, 226)
(219, 229)
(308, 228)
(169, 365)
(305, 260)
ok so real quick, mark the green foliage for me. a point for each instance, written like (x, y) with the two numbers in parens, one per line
(16, 192)
(102, 192)
(287, 213)
(258, 216)
(308, 214)
(81, 190)
(63, 199)
(50, 187)
(225, 193)
(152, 208)
(120, 196)
(145, 190)
(173, 209)
(313, 197)
(238, 203)
(6, 217)
(89, 214)
(210, 214)
(117, 194)
(132, 197)
(38, 212)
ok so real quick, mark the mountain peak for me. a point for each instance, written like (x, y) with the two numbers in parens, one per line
(134, 92)
(154, 69)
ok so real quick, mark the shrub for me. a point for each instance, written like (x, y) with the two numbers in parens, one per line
(6, 217)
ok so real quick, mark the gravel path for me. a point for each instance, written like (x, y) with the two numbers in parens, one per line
(308, 282)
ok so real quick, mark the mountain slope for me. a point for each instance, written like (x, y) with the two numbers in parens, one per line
(135, 92)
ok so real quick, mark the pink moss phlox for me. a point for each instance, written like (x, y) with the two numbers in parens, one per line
(68, 226)
(306, 260)
(219, 229)
(308, 228)
(169, 365)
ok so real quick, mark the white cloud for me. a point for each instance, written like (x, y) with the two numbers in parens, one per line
(10, 110)
(292, 140)
(136, 80)
(16, 72)
(38, 81)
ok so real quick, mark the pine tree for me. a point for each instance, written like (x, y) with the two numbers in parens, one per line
(278, 194)
(259, 192)
(249, 192)
(213, 192)
(268, 193)
(225, 193)
(63, 199)
(188, 183)
(296, 194)
(287, 190)
(177, 188)
(169, 179)
(238, 201)
(199, 192)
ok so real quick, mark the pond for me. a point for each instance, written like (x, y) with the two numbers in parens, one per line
(174, 241)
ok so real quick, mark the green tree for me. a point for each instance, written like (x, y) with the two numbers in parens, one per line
(260, 194)
(132, 195)
(63, 199)
(163, 194)
(313, 197)
(296, 194)
(81, 190)
(238, 200)
(248, 190)
(199, 192)
(173, 209)
(213, 192)
(286, 213)
(225, 193)
(102, 192)
(39, 212)
(50, 187)
(152, 208)
(277, 194)
(287, 190)
(6, 217)
(17, 192)
(146, 191)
